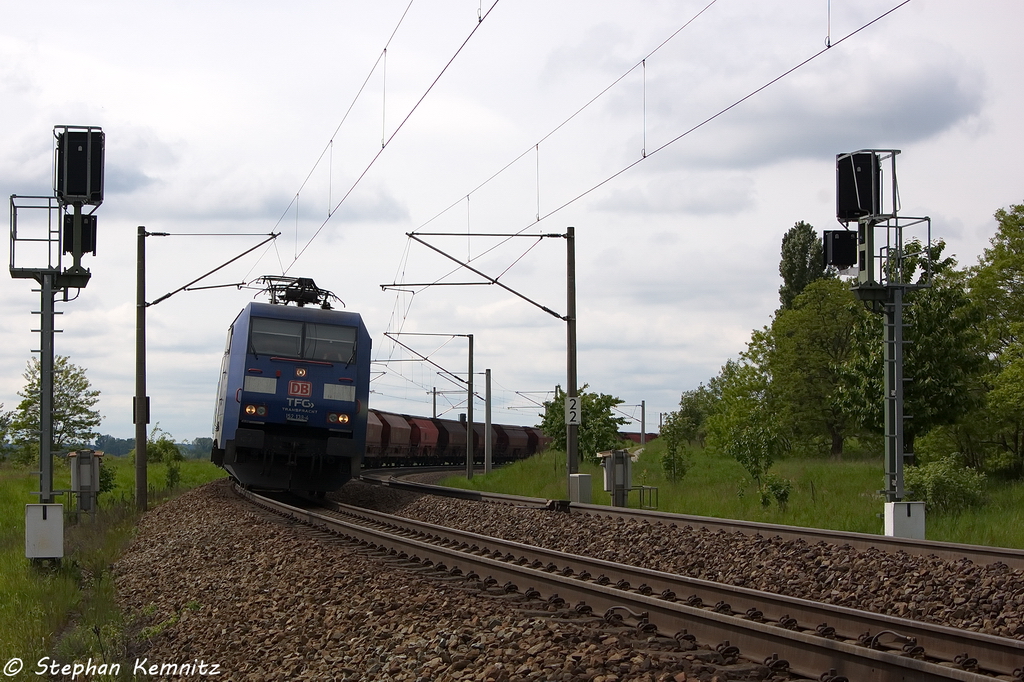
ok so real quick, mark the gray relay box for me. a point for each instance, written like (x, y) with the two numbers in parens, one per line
(44, 531)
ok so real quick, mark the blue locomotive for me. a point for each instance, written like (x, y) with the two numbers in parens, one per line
(292, 398)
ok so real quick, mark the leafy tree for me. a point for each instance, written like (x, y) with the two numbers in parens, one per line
(695, 407)
(201, 447)
(997, 288)
(943, 359)
(599, 428)
(814, 344)
(1003, 413)
(1007, 395)
(746, 428)
(197, 448)
(802, 262)
(5, 429)
(969, 439)
(673, 432)
(160, 447)
(997, 283)
(817, 372)
(746, 425)
(115, 446)
(717, 384)
(74, 419)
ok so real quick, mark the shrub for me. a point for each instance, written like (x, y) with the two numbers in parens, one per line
(673, 433)
(775, 488)
(108, 478)
(946, 485)
(173, 473)
(675, 464)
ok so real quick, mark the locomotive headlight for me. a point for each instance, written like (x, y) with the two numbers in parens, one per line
(335, 418)
(250, 410)
(300, 371)
(261, 411)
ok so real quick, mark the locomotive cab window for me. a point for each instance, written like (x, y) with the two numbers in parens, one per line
(276, 337)
(307, 341)
(329, 342)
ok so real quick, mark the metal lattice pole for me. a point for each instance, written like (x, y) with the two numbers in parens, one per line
(894, 428)
(46, 332)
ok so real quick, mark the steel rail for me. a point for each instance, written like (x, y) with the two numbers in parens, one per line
(997, 654)
(816, 650)
(950, 551)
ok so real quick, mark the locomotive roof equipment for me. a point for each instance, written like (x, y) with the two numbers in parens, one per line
(298, 290)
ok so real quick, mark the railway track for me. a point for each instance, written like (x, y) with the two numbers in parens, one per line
(813, 640)
(978, 554)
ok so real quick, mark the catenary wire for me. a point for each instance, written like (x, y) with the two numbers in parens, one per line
(662, 147)
(330, 144)
(721, 112)
(536, 149)
(649, 154)
(386, 142)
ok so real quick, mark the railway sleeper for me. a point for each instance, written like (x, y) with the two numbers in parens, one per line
(881, 641)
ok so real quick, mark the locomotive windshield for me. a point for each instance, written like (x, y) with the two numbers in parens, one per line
(303, 340)
(329, 342)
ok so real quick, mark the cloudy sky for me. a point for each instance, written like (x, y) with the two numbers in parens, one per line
(216, 115)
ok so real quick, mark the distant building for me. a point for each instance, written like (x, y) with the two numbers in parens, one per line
(635, 436)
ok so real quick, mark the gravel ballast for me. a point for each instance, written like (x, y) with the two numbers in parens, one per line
(210, 581)
(959, 594)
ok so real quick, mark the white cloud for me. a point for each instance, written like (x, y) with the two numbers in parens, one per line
(215, 114)
(680, 192)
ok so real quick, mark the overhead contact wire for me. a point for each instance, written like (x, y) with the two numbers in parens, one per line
(348, 111)
(398, 128)
(721, 112)
(663, 146)
(536, 146)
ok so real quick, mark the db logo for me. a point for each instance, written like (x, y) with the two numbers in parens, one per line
(303, 389)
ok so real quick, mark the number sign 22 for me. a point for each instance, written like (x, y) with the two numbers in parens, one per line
(572, 410)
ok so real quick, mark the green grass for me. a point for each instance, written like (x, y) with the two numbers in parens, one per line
(194, 472)
(70, 612)
(826, 494)
(1000, 523)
